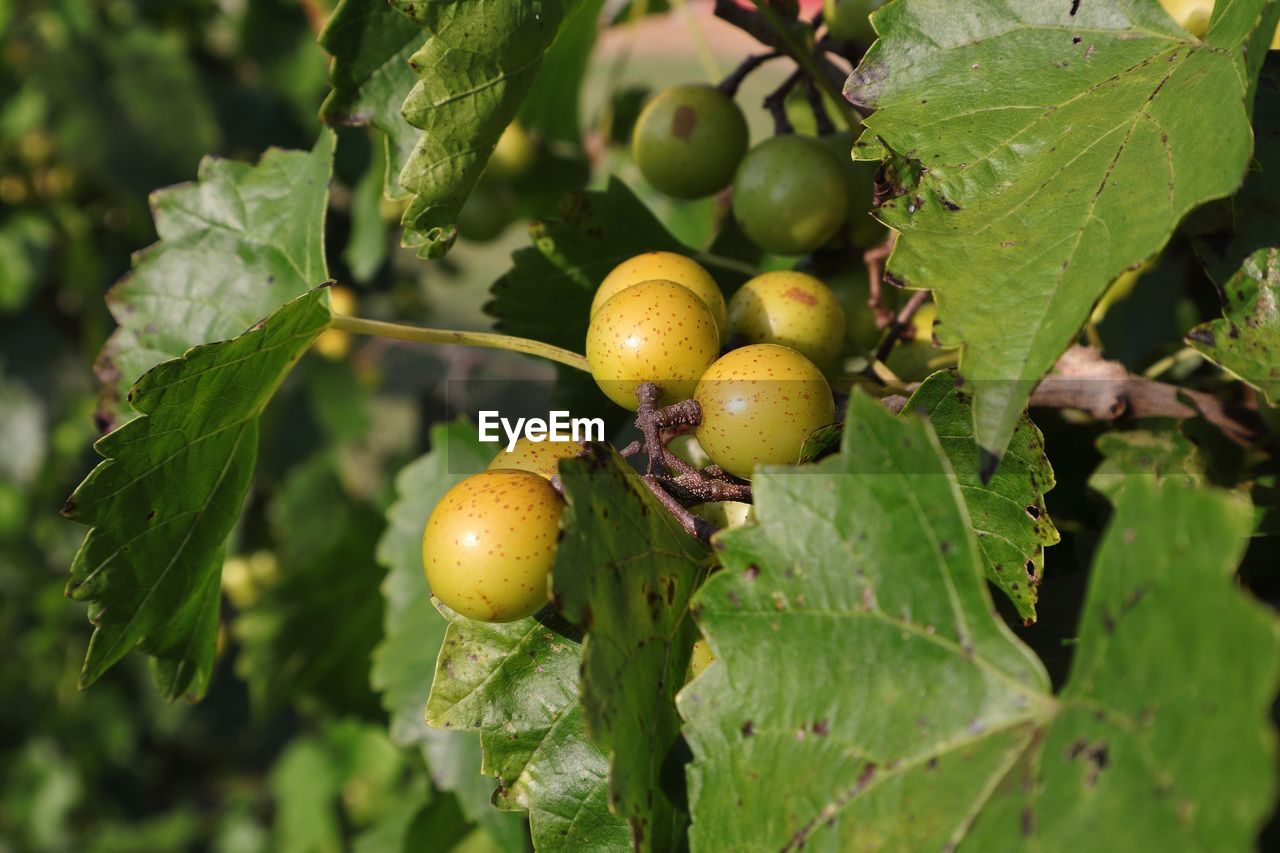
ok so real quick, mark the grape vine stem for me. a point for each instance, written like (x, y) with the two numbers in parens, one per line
(487, 340)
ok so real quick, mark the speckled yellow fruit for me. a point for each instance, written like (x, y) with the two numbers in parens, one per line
(489, 544)
(663, 266)
(700, 659)
(759, 403)
(540, 457)
(336, 343)
(789, 308)
(656, 331)
(1194, 15)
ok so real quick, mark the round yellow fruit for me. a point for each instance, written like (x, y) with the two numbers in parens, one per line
(1194, 16)
(490, 542)
(334, 344)
(655, 331)
(540, 457)
(759, 404)
(700, 659)
(793, 309)
(663, 266)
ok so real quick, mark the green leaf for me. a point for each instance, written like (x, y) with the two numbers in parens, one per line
(405, 660)
(234, 246)
(1160, 451)
(1246, 340)
(167, 493)
(516, 683)
(933, 725)
(625, 571)
(1008, 513)
(309, 637)
(553, 106)
(371, 44)
(547, 293)
(1035, 151)
(474, 71)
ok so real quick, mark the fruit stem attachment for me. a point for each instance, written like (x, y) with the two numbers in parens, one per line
(676, 483)
(767, 27)
(900, 323)
(488, 340)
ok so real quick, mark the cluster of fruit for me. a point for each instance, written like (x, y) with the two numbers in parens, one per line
(791, 193)
(657, 318)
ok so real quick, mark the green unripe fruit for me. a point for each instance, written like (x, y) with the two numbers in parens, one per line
(539, 457)
(864, 229)
(790, 308)
(663, 266)
(490, 542)
(848, 20)
(688, 140)
(853, 288)
(789, 195)
(514, 154)
(759, 404)
(655, 331)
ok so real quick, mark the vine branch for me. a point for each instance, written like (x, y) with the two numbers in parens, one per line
(488, 340)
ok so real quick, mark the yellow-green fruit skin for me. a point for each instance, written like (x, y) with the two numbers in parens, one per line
(700, 659)
(849, 20)
(655, 331)
(689, 140)
(759, 403)
(663, 266)
(790, 308)
(490, 542)
(790, 195)
(1194, 16)
(539, 457)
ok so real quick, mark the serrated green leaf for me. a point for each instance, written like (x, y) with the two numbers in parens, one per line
(371, 44)
(309, 637)
(170, 487)
(933, 726)
(474, 71)
(234, 246)
(625, 571)
(516, 683)
(405, 661)
(1246, 340)
(1035, 152)
(1008, 512)
(1160, 451)
(552, 107)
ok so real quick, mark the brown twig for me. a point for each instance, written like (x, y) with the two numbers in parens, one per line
(821, 119)
(730, 84)
(875, 259)
(677, 484)
(900, 323)
(756, 25)
(776, 103)
(1106, 390)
